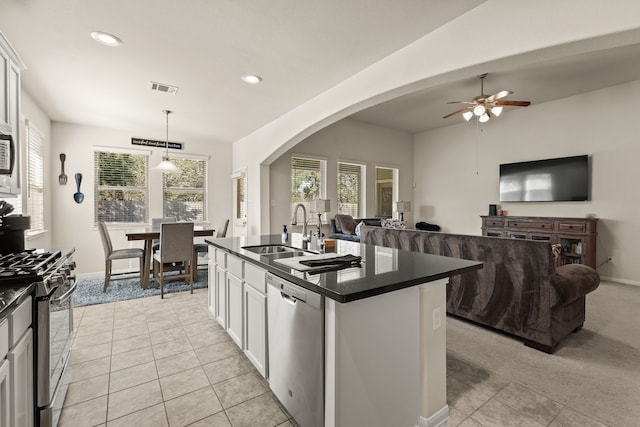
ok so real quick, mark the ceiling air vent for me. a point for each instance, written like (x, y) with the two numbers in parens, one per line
(161, 87)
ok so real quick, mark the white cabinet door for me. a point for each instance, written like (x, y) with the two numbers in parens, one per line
(211, 286)
(21, 366)
(256, 328)
(221, 296)
(5, 401)
(235, 307)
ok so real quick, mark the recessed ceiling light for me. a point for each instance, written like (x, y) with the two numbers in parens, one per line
(252, 79)
(106, 38)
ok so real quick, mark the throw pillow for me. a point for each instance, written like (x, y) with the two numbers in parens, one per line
(392, 223)
(358, 227)
(346, 223)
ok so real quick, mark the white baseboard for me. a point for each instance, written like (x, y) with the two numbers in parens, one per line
(439, 419)
(616, 280)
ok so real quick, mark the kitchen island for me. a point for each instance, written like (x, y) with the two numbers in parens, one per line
(384, 340)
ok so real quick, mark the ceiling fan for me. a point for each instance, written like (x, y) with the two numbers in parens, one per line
(484, 106)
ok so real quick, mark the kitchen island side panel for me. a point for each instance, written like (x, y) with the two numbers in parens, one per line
(372, 364)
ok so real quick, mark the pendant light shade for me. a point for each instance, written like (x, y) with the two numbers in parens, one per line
(167, 165)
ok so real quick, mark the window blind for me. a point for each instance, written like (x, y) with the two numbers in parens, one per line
(121, 187)
(184, 193)
(350, 188)
(35, 177)
(307, 183)
(241, 201)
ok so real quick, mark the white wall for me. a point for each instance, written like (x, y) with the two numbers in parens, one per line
(457, 167)
(73, 224)
(31, 111)
(351, 141)
(529, 32)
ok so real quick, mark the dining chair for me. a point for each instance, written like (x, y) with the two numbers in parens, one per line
(155, 225)
(111, 254)
(204, 247)
(176, 247)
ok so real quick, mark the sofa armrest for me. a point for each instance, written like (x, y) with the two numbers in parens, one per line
(573, 281)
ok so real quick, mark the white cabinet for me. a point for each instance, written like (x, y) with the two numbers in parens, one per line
(220, 296)
(238, 298)
(211, 288)
(10, 67)
(5, 402)
(255, 318)
(21, 367)
(16, 374)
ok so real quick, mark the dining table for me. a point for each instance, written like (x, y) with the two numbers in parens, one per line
(149, 234)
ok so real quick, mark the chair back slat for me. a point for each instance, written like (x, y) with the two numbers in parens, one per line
(176, 242)
(222, 230)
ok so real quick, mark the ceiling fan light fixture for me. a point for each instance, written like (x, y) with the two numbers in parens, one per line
(479, 110)
(483, 118)
(496, 111)
(467, 115)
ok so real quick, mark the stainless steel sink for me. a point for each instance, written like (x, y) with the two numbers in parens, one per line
(274, 249)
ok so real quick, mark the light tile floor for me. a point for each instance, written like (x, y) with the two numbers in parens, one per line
(154, 362)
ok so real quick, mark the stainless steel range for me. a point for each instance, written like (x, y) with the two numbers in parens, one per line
(52, 271)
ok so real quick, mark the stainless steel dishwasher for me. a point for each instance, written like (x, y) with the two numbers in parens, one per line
(296, 350)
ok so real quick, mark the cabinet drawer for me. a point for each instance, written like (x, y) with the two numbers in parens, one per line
(4, 338)
(494, 222)
(532, 225)
(494, 233)
(577, 227)
(256, 277)
(19, 321)
(221, 258)
(234, 266)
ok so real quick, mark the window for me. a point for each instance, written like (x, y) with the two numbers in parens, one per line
(350, 187)
(184, 193)
(121, 186)
(386, 191)
(307, 183)
(35, 177)
(241, 192)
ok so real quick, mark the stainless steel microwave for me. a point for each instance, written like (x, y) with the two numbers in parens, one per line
(7, 154)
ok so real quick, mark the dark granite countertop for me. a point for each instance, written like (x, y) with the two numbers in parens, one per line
(12, 295)
(382, 269)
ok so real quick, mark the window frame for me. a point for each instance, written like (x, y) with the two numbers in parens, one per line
(144, 189)
(190, 157)
(360, 210)
(35, 145)
(322, 184)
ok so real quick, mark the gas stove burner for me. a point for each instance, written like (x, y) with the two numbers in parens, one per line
(27, 264)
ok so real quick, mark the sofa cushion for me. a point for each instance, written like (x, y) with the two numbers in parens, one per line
(346, 223)
(358, 227)
(392, 223)
(573, 281)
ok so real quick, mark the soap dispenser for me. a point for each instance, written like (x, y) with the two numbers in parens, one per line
(285, 234)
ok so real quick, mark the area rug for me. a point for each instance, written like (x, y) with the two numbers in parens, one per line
(89, 290)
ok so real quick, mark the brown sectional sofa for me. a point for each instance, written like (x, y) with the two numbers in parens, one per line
(519, 290)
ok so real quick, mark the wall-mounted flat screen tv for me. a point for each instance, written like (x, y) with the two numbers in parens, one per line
(550, 180)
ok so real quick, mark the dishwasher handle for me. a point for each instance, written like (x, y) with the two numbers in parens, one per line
(293, 293)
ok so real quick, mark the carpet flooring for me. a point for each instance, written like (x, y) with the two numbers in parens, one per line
(89, 291)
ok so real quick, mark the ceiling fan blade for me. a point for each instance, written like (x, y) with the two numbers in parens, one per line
(514, 103)
(499, 95)
(456, 112)
(462, 102)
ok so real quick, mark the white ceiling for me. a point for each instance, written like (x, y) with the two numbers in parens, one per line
(300, 49)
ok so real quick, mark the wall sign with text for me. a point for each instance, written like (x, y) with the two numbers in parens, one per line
(154, 143)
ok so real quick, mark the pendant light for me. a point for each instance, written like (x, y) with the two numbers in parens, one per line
(166, 165)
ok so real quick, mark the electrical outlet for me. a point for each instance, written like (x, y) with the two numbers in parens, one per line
(437, 318)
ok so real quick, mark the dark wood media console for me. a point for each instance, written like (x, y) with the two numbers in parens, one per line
(576, 236)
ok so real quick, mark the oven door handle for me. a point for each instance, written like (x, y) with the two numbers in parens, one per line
(66, 295)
